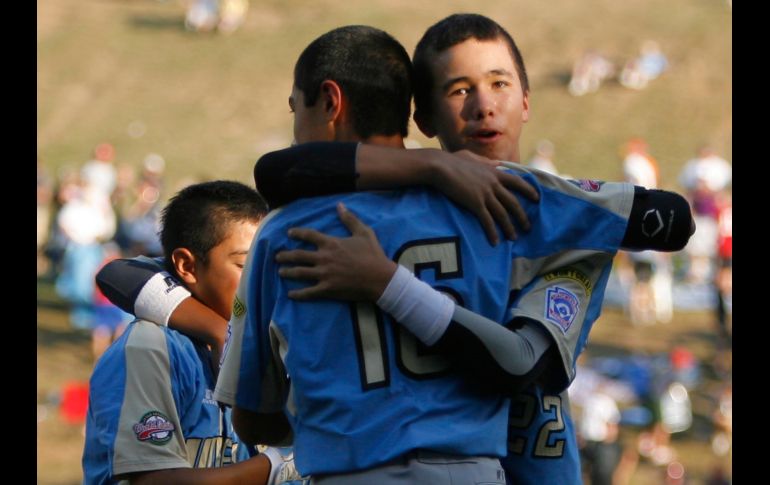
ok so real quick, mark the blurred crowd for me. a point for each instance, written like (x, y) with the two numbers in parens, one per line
(223, 16)
(87, 216)
(592, 68)
(630, 408)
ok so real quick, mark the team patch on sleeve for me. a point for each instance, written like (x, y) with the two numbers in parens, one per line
(238, 307)
(561, 307)
(154, 427)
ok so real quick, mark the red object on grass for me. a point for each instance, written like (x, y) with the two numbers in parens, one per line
(74, 402)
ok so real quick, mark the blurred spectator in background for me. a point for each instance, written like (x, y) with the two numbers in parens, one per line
(703, 178)
(232, 14)
(596, 400)
(588, 73)
(100, 173)
(543, 157)
(723, 421)
(599, 428)
(724, 269)
(44, 199)
(85, 222)
(123, 195)
(108, 321)
(639, 71)
(223, 15)
(639, 168)
(67, 188)
(202, 15)
(650, 294)
(140, 220)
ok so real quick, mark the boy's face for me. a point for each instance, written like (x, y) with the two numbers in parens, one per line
(217, 278)
(477, 100)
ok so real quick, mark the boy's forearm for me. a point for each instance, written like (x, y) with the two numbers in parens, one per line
(195, 319)
(255, 470)
(380, 167)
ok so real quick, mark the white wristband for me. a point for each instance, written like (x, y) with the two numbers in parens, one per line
(159, 297)
(419, 308)
(276, 460)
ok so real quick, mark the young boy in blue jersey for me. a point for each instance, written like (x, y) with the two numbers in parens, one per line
(151, 414)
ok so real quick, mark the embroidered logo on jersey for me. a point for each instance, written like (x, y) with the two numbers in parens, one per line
(171, 283)
(652, 223)
(588, 185)
(561, 307)
(572, 274)
(238, 307)
(154, 427)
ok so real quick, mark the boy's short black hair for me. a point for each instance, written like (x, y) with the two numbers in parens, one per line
(199, 216)
(447, 33)
(373, 70)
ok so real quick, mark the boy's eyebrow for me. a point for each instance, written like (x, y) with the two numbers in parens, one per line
(238, 253)
(500, 72)
(493, 72)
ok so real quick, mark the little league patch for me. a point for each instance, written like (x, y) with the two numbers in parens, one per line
(561, 307)
(154, 427)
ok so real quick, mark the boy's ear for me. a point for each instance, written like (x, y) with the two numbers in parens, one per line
(333, 100)
(184, 264)
(424, 123)
(525, 108)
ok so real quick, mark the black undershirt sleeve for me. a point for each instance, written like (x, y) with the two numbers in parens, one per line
(660, 220)
(471, 357)
(121, 280)
(306, 170)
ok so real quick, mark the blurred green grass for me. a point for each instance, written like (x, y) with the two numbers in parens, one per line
(212, 104)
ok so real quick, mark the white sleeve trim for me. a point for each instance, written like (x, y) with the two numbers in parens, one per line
(159, 297)
(419, 308)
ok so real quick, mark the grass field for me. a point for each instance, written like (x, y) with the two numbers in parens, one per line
(211, 105)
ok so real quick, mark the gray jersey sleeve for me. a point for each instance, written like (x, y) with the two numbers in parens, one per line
(515, 351)
(617, 197)
(566, 301)
(230, 388)
(149, 435)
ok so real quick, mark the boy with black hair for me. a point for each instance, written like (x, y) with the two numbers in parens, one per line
(151, 415)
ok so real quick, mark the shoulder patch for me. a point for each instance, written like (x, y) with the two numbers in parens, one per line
(154, 427)
(571, 274)
(238, 307)
(561, 307)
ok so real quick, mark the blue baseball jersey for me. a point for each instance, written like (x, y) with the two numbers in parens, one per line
(542, 438)
(542, 443)
(151, 407)
(355, 385)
